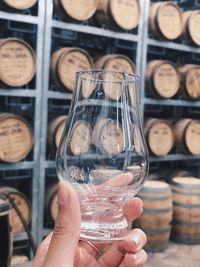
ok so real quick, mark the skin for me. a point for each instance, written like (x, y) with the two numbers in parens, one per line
(62, 248)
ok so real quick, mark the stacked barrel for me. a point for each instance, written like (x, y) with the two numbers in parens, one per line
(20, 208)
(173, 77)
(165, 80)
(157, 216)
(168, 22)
(64, 64)
(116, 15)
(186, 203)
(18, 86)
(171, 212)
(163, 135)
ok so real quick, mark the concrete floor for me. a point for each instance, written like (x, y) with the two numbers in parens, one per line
(174, 256)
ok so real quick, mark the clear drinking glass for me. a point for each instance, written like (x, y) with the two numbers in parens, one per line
(102, 152)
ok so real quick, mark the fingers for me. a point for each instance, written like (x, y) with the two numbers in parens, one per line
(66, 233)
(133, 209)
(134, 260)
(133, 243)
(42, 251)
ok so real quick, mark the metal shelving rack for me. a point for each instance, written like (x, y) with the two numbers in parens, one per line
(142, 41)
(173, 47)
(43, 93)
(51, 24)
(35, 94)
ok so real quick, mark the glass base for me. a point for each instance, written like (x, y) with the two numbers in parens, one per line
(102, 217)
(104, 233)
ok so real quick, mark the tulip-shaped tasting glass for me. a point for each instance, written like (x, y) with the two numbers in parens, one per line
(102, 152)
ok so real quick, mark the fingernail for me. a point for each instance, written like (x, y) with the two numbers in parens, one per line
(136, 241)
(63, 194)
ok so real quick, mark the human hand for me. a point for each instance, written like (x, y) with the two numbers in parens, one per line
(62, 248)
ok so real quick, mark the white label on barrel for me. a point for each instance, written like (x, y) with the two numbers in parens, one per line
(166, 80)
(15, 139)
(193, 137)
(71, 63)
(111, 138)
(20, 4)
(17, 63)
(24, 208)
(81, 138)
(193, 83)
(160, 138)
(170, 21)
(80, 9)
(194, 25)
(126, 13)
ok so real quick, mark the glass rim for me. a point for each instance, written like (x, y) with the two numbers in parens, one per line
(134, 76)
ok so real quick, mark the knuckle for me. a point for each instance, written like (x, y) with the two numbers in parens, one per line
(62, 226)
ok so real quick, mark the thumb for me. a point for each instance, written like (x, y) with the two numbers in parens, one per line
(66, 233)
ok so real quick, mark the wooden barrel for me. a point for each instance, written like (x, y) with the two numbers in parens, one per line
(116, 62)
(81, 137)
(51, 206)
(177, 173)
(187, 136)
(108, 136)
(163, 78)
(76, 10)
(166, 20)
(119, 63)
(66, 62)
(23, 205)
(186, 206)
(16, 138)
(55, 130)
(190, 81)
(19, 4)
(19, 260)
(192, 26)
(17, 62)
(157, 216)
(6, 242)
(118, 14)
(159, 136)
